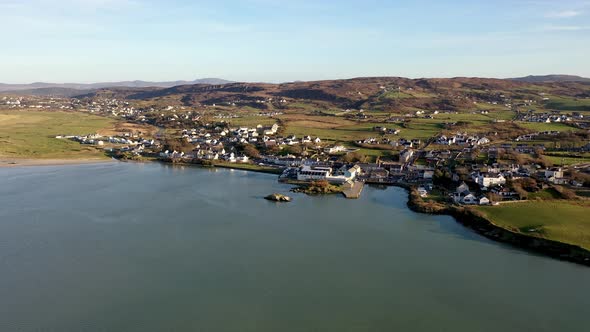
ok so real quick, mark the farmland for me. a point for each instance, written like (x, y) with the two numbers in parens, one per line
(31, 134)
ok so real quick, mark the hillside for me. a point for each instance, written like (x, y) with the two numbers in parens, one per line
(373, 93)
(551, 78)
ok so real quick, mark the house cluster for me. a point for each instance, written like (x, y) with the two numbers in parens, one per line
(546, 117)
(461, 139)
(386, 131)
(110, 106)
(214, 134)
(133, 142)
(261, 135)
(210, 154)
(37, 102)
(533, 136)
(463, 195)
(402, 142)
(12, 102)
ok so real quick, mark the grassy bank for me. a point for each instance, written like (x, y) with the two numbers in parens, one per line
(31, 134)
(559, 229)
(250, 167)
(561, 221)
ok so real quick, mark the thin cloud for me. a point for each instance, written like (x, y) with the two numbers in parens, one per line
(565, 14)
(565, 28)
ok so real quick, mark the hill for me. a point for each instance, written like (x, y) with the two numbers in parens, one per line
(15, 88)
(45, 92)
(551, 78)
(374, 93)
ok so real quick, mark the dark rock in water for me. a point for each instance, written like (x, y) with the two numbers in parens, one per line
(278, 198)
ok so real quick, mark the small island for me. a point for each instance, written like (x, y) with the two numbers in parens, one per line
(278, 198)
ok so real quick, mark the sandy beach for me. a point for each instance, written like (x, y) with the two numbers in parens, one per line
(13, 162)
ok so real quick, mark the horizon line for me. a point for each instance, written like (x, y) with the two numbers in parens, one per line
(287, 81)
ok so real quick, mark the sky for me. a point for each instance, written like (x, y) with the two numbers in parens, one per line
(279, 40)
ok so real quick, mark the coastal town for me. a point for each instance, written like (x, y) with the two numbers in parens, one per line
(483, 155)
(294, 166)
(472, 173)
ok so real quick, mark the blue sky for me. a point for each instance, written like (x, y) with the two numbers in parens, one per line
(279, 40)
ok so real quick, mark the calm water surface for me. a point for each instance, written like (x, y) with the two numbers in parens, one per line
(150, 247)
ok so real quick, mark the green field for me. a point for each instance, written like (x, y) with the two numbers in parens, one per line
(31, 134)
(568, 104)
(250, 167)
(542, 126)
(556, 220)
(251, 121)
(567, 161)
(396, 95)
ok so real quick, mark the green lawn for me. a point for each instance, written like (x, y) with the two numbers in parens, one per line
(556, 220)
(31, 134)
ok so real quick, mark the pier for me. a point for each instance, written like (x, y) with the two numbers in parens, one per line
(353, 190)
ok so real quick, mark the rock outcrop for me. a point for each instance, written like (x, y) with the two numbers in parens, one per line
(278, 198)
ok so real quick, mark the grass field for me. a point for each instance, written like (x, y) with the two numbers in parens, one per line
(31, 134)
(567, 161)
(250, 167)
(568, 104)
(562, 221)
(251, 121)
(542, 126)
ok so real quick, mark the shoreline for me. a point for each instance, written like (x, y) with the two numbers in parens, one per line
(31, 162)
(483, 226)
(462, 215)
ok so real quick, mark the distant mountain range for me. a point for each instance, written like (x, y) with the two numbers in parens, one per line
(551, 78)
(71, 89)
(215, 90)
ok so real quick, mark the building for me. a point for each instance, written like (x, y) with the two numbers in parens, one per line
(335, 149)
(316, 173)
(554, 173)
(268, 130)
(406, 155)
(489, 180)
(309, 173)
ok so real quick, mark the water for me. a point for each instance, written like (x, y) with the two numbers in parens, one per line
(150, 247)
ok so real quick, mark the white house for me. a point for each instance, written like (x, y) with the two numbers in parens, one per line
(308, 173)
(483, 141)
(463, 189)
(484, 201)
(490, 180)
(242, 159)
(406, 155)
(470, 199)
(335, 149)
(422, 192)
